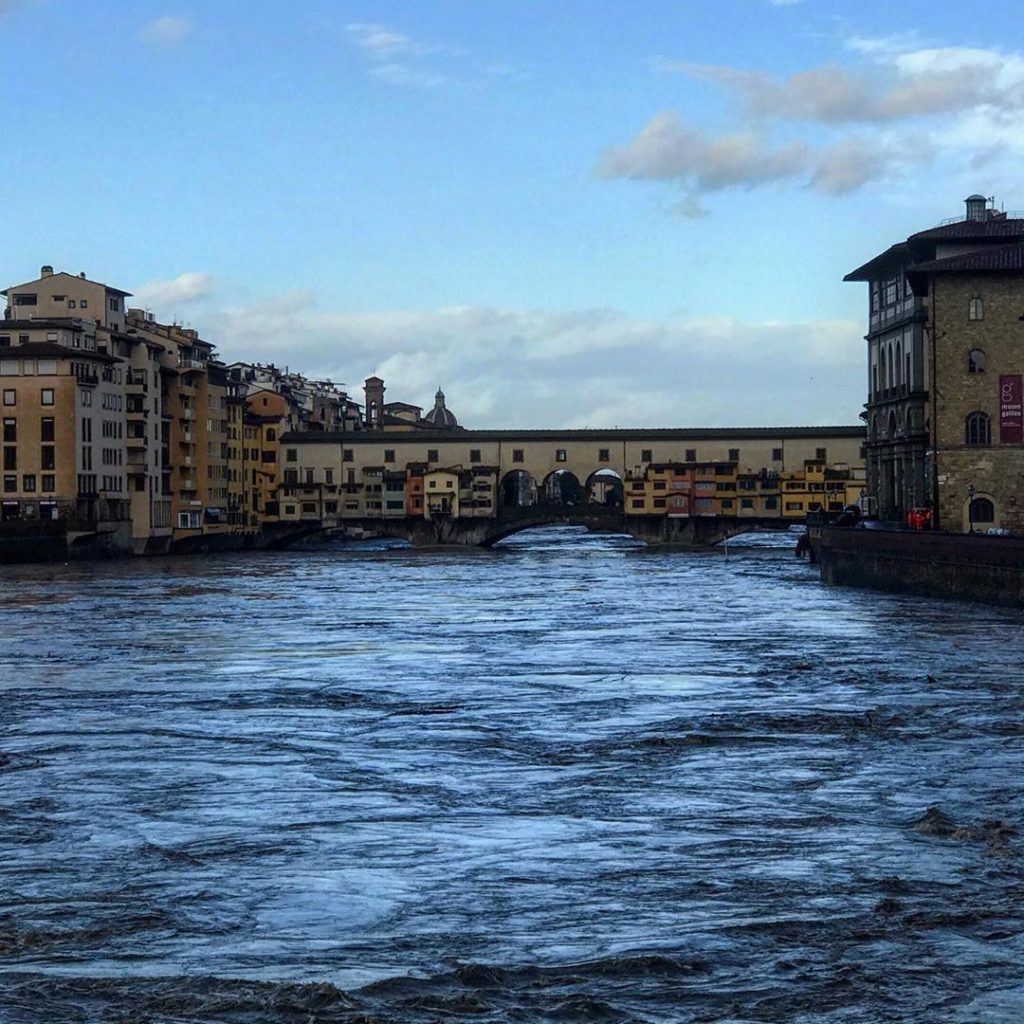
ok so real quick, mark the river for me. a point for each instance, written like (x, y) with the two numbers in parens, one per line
(565, 780)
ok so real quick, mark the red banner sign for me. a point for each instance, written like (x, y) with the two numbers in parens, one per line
(1011, 422)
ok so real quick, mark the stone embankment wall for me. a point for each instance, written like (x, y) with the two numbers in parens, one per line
(961, 566)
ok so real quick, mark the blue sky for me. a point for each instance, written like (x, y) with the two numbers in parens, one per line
(566, 213)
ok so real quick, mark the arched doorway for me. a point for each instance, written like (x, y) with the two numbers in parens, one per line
(562, 488)
(604, 487)
(518, 489)
(980, 513)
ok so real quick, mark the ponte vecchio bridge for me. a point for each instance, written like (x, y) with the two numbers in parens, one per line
(696, 485)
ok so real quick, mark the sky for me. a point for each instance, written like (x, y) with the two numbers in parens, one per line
(568, 213)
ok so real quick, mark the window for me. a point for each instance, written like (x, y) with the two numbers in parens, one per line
(821, 454)
(291, 476)
(10, 396)
(474, 454)
(28, 482)
(329, 476)
(794, 506)
(49, 483)
(976, 361)
(389, 454)
(637, 503)
(25, 300)
(59, 298)
(10, 430)
(188, 521)
(431, 455)
(10, 458)
(71, 303)
(309, 476)
(308, 506)
(290, 454)
(46, 396)
(84, 304)
(691, 454)
(978, 429)
(112, 305)
(10, 484)
(982, 511)
(517, 455)
(347, 455)
(975, 309)
(5, 341)
(659, 502)
(734, 455)
(560, 455)
(271, 434)
(48, 457)
(646, 455)
(46, 428)
(603, 455)
(746, 502)
(772, 503)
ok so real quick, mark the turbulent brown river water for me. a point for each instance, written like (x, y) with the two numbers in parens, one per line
(566, 781)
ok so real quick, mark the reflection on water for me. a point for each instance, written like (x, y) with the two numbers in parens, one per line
(566, 779)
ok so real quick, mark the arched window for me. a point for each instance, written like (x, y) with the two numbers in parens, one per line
(899, 362)
(979, 429)
(975, 361)
(975, 309)
(892, 376)
(874, 427)
(271, 435)
(906, 378)
(892, 425)
(875, 369)
(982, 511)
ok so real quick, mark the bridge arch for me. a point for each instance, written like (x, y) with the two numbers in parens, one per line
(562, 488)
(605, 487)
(518, 489)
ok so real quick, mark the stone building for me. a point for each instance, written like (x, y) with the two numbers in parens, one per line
(945, 359)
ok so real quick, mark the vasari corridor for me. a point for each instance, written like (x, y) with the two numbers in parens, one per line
(512, 513)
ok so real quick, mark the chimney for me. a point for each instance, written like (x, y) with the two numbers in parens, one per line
(976, 207)
(46, 270)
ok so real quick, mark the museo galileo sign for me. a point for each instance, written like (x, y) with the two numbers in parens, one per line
(1011, 425)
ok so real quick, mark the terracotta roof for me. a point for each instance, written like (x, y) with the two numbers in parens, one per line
(961, 229)
(895, 254)
(1002, 257)
(50, 349)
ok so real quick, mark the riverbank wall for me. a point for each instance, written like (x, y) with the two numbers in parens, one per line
(948, 565)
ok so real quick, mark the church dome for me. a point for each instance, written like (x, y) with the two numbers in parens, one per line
(440, 416)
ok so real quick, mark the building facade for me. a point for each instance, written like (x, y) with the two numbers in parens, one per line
(945, 362)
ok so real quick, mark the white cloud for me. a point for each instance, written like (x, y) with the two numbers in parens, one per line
(532, 368)
(166, 31)
(179, 291)
(667, 149)
(381, 42)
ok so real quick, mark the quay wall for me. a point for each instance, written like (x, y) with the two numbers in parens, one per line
(949, 565)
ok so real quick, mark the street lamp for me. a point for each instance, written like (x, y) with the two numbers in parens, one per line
(970, 509)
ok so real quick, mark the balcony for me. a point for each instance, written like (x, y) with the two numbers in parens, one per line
(136, 383)
(189, 362)
(88, 378)
(136, 411)
(187, 414)
(187, 483)
(136, 441)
